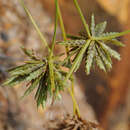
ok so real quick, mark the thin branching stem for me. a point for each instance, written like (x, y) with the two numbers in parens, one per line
(51, 66)
(82, 18)
(55, 28)
(74, 37)
(62, 27)
(76, 111)
(71, 91)
(35, 25)
(61, 24)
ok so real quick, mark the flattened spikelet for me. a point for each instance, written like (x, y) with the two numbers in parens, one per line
(72, 42)
(116, 42)
(29, 53)
(104, 59)
(89, 58)
(92, 25)
(111, 52)
(99, 29)
(99, 62)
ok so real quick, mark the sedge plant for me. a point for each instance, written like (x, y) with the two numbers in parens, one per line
(47, 74)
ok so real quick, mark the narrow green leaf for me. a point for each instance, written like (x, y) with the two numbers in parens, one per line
(38, 91)
(41, 91)
(31, 87)
(34, 24)
(36, 61)
(9, 80)
(35, 74)
(14, 81)
(74, 37)
(18, 68)
(26, 69)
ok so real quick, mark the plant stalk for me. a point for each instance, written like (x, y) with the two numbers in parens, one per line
(51, 67)
(71, 91)
(35, 25)
(82, 18)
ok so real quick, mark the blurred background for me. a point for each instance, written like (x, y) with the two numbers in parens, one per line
(103, 98)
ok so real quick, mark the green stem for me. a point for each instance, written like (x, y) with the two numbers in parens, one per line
(35, 25)
(61, 24)
(82, 18)
(51, 67)
(74, 37)
(56, 20)
(75, 105)
(71, 91)
(62, 27)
